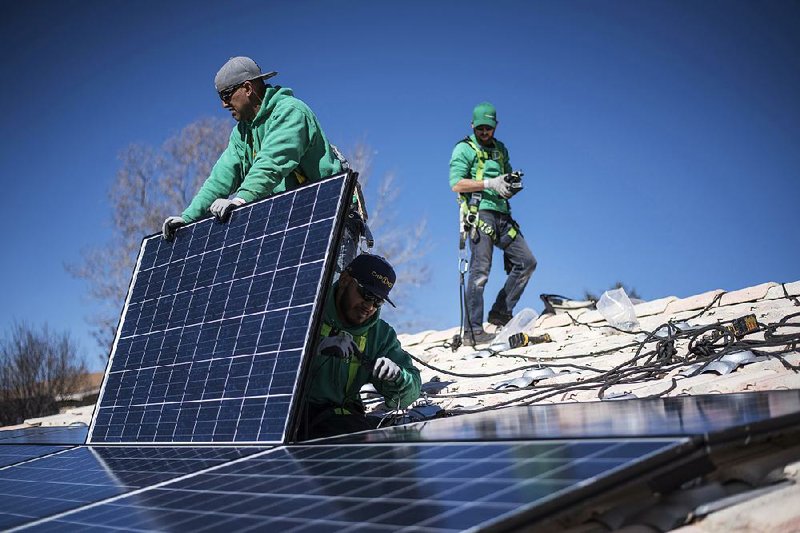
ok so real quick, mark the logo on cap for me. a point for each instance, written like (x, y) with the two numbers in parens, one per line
(383, 279)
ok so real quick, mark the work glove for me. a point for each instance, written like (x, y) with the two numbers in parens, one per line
(170, 225)
(386, 369)
(222, 207)
(340, 345)
(498, 185)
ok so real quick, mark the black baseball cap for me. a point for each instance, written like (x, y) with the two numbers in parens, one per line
(374, 273)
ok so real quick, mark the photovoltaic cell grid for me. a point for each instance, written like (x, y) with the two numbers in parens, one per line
(430, 487)
(16, 453)
(216, 322)
(83, 475)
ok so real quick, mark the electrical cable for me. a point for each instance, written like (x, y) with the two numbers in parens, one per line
(705, 345)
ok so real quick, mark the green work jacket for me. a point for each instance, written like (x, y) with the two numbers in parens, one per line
(464, 164)
(280, 148)
(337, 382)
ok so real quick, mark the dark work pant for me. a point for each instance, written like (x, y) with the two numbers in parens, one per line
(522, 266)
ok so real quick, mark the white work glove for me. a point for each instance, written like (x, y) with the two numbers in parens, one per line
(340, 345)
(386, 369)
(498, 185)
(170, 225)
(222, 207)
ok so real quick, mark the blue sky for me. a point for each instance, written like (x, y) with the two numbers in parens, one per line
(658, 139)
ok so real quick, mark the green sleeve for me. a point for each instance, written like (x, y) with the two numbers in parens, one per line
(406, 389)
(220, 183)
(286, 140)
(461, 163)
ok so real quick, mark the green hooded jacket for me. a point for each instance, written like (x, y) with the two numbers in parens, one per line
(263, 155)
(330, 375)
(464, 164)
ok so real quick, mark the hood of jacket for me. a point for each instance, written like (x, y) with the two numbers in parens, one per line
(271, 98)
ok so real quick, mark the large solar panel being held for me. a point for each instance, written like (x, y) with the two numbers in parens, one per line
(215, 324)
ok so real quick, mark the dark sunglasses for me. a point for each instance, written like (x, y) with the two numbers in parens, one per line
(484, 128)
(226, 94)
(367, 296)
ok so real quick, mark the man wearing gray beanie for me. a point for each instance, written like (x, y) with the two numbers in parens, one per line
(276, 146)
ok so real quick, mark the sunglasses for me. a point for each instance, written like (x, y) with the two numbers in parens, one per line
(226, 94)
(484, 128)
(367, 296)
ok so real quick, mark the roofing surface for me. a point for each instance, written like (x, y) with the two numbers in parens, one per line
(586, 353)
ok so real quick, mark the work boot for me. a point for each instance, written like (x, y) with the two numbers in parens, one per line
(499, 319)
(478, 337)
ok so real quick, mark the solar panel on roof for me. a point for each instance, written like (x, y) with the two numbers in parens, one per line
(84, 475)
(16, 453)
(45, 435)
(216, 322)
(436, 487)
(715, 416)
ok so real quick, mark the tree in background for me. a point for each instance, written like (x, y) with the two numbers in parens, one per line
(38, 368)
(153, 183)
(402, 243)
(630, 291)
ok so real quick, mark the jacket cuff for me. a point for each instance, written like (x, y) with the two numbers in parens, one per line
(247, 196)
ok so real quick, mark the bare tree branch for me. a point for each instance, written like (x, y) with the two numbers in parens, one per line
(38, 368)
(405, 243)
(151, 184)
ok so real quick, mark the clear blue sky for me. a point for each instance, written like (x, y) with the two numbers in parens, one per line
(659, 140)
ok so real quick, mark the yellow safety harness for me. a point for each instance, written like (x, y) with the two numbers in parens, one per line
(353, 364)
(469, 204)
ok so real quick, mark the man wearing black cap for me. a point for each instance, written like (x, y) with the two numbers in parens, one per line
(276, 145)
(356, 347)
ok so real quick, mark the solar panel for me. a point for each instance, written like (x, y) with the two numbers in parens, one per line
(716, 416)
(216, 322)
(433, 487)
(16, 453)
(83, 475)
(45, 435)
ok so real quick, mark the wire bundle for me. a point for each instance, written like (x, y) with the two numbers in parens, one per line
(656, 356)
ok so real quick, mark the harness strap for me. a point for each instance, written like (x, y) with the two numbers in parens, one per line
(353, 364)
(483, 156)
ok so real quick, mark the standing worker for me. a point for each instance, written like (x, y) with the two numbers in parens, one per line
(277, 145)
(356, 347)
(480, 173)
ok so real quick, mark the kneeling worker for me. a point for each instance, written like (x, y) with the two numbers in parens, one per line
(356, 347)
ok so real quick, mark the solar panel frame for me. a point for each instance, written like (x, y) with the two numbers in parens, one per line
(147, 305)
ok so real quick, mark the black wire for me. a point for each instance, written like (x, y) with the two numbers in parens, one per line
(705, 345)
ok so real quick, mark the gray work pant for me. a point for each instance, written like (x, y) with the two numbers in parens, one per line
(517, 254)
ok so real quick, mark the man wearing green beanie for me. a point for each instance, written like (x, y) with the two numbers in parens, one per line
(481, 174)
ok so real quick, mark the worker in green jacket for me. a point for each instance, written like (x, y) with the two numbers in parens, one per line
(481, 174)
(277, 145)
(356, 347)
